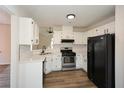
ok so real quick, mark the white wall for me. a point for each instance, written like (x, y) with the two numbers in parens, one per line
(119, 46)
(5, 44)
(4, 17)
(14, 50)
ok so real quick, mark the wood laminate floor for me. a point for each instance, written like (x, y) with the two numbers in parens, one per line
(4, 76)
(68, 79)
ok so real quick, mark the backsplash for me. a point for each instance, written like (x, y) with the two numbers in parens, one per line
(25, 51)
(78, 48)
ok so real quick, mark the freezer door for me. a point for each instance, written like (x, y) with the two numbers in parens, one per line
(99, 76)
(90, 58)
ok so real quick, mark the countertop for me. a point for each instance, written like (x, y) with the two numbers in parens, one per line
(34, 58)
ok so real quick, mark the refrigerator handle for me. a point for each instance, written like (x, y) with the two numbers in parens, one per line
(104, 31)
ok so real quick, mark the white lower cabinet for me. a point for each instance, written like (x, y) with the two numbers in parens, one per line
(79, 61)
(52, 63)
(57, 63)
(30, 75)
(85, 63)
(48, 64)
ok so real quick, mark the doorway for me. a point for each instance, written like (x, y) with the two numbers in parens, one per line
(5, 48)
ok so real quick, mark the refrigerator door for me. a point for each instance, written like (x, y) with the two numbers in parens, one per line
(110, 61)
(99, 68)
(90, 56)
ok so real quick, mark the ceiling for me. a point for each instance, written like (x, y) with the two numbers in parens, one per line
(55, 15)
(4, 17)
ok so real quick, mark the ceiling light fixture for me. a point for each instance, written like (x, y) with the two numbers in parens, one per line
(70, 16)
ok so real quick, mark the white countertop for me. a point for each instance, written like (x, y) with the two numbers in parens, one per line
(34, 58)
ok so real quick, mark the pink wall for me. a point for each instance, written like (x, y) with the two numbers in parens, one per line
(5, 44)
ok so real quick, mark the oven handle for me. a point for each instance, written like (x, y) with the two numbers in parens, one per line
(62, 58)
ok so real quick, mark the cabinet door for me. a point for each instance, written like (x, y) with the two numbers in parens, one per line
(84, 63)
(36, 35)
(92, 33)
(30, 75)
(57, 64)
(78, 37)
(26, 27)
(48, 65)
(97, 31)
(110, 28)
(57, 37)
(89, 33)
(100, 31)
(79, 61)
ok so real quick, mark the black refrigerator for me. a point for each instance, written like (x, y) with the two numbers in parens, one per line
(101, 63)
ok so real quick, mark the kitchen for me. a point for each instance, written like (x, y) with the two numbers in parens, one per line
(46, 46)
(66, 51)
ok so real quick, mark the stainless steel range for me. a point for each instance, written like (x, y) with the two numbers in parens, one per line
(68, 58)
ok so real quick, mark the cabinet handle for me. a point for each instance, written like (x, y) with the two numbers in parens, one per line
(104, 31)
(31, 40)
(36, 40)
(107, 30)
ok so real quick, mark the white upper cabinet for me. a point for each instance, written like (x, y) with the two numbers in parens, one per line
(36, 34)
(57, 37)
(28, 31)
(67, 32)
(89, 33)
(101, 30)
(97, 31)
(78, 37)
(109, 28)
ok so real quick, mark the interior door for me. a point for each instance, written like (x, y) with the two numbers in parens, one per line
(99, 61)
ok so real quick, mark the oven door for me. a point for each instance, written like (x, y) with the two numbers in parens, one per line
(68, 59)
